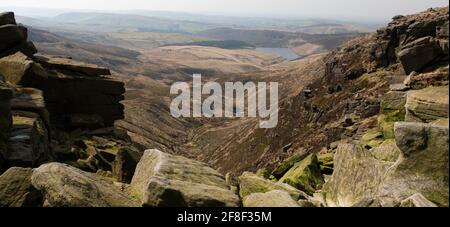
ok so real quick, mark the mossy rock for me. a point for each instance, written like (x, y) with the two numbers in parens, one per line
(263, 172)
(250, 183)
(386, 122)
(373, 138)
(305, 175)
(326, 162)
(283, 168)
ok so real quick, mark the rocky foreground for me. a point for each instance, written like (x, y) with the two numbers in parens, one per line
(59, 146)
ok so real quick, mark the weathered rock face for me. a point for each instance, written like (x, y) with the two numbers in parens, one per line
(428, 104)
(357, 175)
(275, 198)
(16, 189)
(416, 55)
(162, 179)
(305, 175)
(423, 167)
(250, 183)
(19, 69)
(74, 89)
(65, 186)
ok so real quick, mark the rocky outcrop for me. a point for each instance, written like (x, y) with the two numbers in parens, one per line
(428, 104)
(16, 189)
(65, 186)
(163, 179)
(421, 167)
(416, 55)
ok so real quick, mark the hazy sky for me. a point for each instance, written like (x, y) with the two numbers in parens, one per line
(346, 9)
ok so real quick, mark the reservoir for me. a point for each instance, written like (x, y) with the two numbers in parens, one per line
(287, 53)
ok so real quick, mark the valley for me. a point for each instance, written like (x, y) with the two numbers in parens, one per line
(85, 103)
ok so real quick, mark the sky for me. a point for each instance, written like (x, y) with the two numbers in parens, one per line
(334, 9)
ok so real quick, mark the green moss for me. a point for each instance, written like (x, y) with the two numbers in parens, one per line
(326, 163)
(283, 168)
(305, 175)
(373, 138)
(263, 172)
(386, 122)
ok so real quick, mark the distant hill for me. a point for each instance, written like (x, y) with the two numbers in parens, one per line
(110, 22)
(224, 44)
(104, 55)
(302, 43)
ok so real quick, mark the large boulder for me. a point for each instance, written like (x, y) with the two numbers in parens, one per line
(250, 183)
(428, 104)
(418, 54)
(423, 165)
(21, 70)
(11, 35)
(7, 18)
(66, 186)
(16, 189)
(275, 198)
(163, 179)
(357, 175)
(305, 175)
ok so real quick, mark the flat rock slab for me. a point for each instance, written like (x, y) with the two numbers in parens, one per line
(163, 179)
(274, 198)
(61, 63)
(66, 186)
(428, 104)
